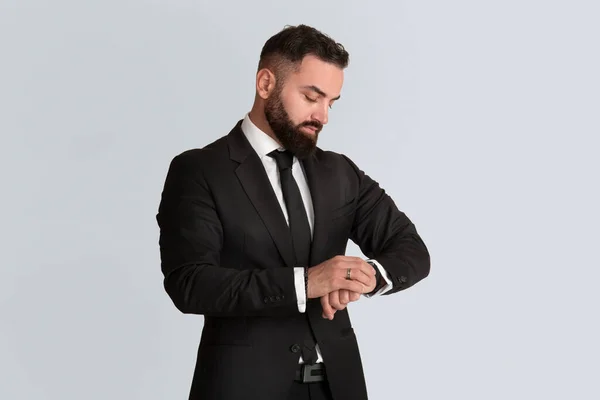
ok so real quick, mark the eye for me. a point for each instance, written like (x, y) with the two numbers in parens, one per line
(310, 99)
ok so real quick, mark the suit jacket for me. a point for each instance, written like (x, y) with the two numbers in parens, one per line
(226, 253)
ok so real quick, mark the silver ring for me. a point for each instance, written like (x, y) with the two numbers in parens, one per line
(348, 273)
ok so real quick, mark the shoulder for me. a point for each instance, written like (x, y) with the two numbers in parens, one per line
(338, 161)
(201, 157)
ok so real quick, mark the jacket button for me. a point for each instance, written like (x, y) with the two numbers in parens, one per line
(266, 299)
(403, 279)
(295, 348)
(278, 298)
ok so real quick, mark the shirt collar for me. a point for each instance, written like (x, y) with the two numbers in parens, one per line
(262, 143)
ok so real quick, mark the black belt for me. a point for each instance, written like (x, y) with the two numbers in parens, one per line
(307, 373)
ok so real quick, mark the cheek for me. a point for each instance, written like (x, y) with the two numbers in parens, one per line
(298, 109)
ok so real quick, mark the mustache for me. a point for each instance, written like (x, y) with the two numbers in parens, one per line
(315, 124)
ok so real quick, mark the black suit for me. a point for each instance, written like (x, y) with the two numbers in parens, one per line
(227, 254)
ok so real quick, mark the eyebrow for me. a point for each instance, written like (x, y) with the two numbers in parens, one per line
(319, 91)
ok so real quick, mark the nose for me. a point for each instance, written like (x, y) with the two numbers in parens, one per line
(322, 114)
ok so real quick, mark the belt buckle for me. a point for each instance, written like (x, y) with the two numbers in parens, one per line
(308, 375)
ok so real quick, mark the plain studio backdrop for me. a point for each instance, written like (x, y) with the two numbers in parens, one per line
(481, 119)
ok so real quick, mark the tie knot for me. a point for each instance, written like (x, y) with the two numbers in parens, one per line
(284, 159)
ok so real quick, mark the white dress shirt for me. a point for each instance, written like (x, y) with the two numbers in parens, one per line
(263, 144)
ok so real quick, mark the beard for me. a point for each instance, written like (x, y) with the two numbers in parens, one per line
(289, 135)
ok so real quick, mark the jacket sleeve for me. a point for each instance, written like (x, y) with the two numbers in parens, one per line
(190, 241)
(386, 234)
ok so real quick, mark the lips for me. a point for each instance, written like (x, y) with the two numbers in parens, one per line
(310, 129)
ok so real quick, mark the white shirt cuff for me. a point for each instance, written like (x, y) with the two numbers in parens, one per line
(388, 282)
(300, 288)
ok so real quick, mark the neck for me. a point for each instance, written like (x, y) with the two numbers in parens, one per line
(257, 116)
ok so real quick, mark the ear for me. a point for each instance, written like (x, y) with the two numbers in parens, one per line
(265, 83)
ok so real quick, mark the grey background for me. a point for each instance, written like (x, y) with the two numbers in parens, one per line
(479, 118)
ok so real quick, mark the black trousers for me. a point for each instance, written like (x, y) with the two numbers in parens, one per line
(310, 391)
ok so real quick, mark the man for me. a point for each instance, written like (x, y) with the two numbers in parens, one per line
(253, 228)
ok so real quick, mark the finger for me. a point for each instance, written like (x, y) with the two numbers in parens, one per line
(351, 285)
(354, 296)
(366, 267)
(344, 297)
(360, 276)
(345, 262)
(334, 300)
(354, 262)
(358, 264)
(351, 259)
(372, 284)
(327, 310)
(342, 304)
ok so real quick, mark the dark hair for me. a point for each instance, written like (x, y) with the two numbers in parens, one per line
(293, 43)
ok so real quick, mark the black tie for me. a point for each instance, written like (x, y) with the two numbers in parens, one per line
(299, 228)
(298, 220)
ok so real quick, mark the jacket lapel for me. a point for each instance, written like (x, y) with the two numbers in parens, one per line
(253, 177)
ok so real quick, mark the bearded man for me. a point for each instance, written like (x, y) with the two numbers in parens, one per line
(253, 232)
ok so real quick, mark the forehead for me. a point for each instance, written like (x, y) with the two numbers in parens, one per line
(315, 72)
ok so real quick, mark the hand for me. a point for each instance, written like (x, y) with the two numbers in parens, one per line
(337, 300)
(330, 276)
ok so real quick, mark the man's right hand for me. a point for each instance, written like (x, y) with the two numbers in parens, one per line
(337, 300)
(331, 275)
